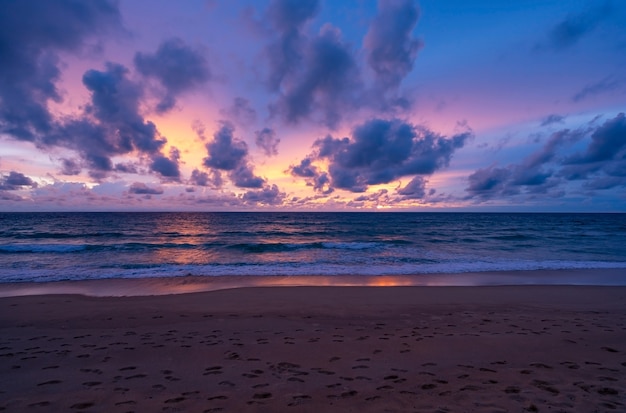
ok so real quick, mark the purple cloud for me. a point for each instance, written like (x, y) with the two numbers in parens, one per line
(32, 33)
(266, 140)
(227, 153)
(602, 164)
(379, 152)
(139, 188)
(269, 195)
(391, 49)
(15, 181)
(574, 27)
(178, 68)
(415, 189)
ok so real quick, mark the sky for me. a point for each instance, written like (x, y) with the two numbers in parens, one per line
(215, 105)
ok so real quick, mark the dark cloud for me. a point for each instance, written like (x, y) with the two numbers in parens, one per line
(288, 15)
(535, 174)
(604, 159)
(177, 67)
(288, 18)
(167, 167)
(112, 125)
(269, 195)
(212, 179)
(379, 152)
(601, 165)
(266, 139)
(139, 188)
(243, 177)
(574, 27)
(227, 153)
(31, 35)
(305, 169)
(608, 142)
(488, 182)
(320, 181)
(326, 82)
(127, 168)
(318, 76)
(606, 85)
(381, 196)
(391, 49)
(115, 103)
(552, 119)
(15, 181)
(416, 189)
(70, 167)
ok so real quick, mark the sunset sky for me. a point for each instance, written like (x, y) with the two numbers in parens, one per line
(212, 105)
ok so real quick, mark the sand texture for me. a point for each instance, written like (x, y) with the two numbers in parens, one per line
(318, 349)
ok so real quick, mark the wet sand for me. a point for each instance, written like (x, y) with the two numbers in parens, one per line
(318, 349)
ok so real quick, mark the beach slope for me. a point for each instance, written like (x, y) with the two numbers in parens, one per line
(318, 349)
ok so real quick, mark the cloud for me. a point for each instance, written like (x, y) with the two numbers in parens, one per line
(391, 49)
(139, 188)
(243, 177)
(325, 82)
(212, 179)
(488, 182)
(112, 125)
(605, 156)
(606, 85)
(70, 167)
(380, 151)
(318, 77)
(15, 181)
(176, 66)
(552, 119)
(320, 181)
(601, 165)
(535, 174)
(288, 18)
(227, 153)
(32, 33)
(415, 189)
(240, 112)
(269, 195)
(608, 142)
(266, 140)
(574, 27)
(381, 196)
(167, 167)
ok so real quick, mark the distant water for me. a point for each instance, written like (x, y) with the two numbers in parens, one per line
(44, 247)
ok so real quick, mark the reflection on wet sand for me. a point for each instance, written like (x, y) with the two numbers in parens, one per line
(193, 284)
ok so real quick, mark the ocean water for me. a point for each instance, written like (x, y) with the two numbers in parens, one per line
(42, 247)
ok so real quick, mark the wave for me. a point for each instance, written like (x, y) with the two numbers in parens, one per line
(275, 247)
(42, 248)
(309, 269)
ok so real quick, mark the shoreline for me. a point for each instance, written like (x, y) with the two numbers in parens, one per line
(192, 284)
(310, 349)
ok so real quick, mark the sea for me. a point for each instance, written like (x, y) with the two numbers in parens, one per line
(44, 247)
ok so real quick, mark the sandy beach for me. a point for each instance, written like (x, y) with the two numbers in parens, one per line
(318, 349)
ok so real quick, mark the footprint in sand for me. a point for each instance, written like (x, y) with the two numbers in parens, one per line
(40, 404)
(81, 406)
(175, 400)
(46, 383)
